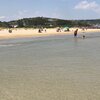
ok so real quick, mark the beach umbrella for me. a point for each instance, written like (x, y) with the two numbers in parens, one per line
(66, 29)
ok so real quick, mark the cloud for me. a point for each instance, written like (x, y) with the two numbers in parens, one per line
(85, 5)
(2, 17)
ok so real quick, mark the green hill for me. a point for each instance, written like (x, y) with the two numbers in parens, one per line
(49, 22)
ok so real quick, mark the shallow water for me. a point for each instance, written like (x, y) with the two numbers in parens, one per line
(50, 68)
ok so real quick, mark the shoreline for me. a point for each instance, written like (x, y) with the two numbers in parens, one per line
(28, 33)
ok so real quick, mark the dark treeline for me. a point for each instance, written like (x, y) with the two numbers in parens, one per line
(4, 24)
(48, 22)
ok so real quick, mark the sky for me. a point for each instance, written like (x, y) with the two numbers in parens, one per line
(63, 9)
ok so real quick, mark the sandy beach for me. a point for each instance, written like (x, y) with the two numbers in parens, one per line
(21, 32)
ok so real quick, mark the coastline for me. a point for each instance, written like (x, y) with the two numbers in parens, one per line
(27, 33)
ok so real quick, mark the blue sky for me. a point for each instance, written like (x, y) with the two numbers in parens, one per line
(65, 9)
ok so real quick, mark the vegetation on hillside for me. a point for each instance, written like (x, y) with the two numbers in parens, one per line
(48, 22)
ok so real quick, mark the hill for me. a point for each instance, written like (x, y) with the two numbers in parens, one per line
(49, 22)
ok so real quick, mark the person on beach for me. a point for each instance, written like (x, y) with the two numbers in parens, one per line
(75, 33)
(10, 31)
(45, 29)
(58, 29)
(83, 36)
(39, 31)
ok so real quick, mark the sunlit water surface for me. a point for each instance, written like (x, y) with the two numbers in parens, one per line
(50, 68)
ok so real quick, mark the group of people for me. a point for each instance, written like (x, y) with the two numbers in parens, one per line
(58, 30)
(41, 30)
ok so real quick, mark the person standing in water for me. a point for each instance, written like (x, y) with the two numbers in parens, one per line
(75, 33)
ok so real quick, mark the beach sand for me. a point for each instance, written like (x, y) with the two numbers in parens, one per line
(21, 32)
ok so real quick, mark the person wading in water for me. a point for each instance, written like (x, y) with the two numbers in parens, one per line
(75, 33)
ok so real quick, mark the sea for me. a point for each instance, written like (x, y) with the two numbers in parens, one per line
(50, 68)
